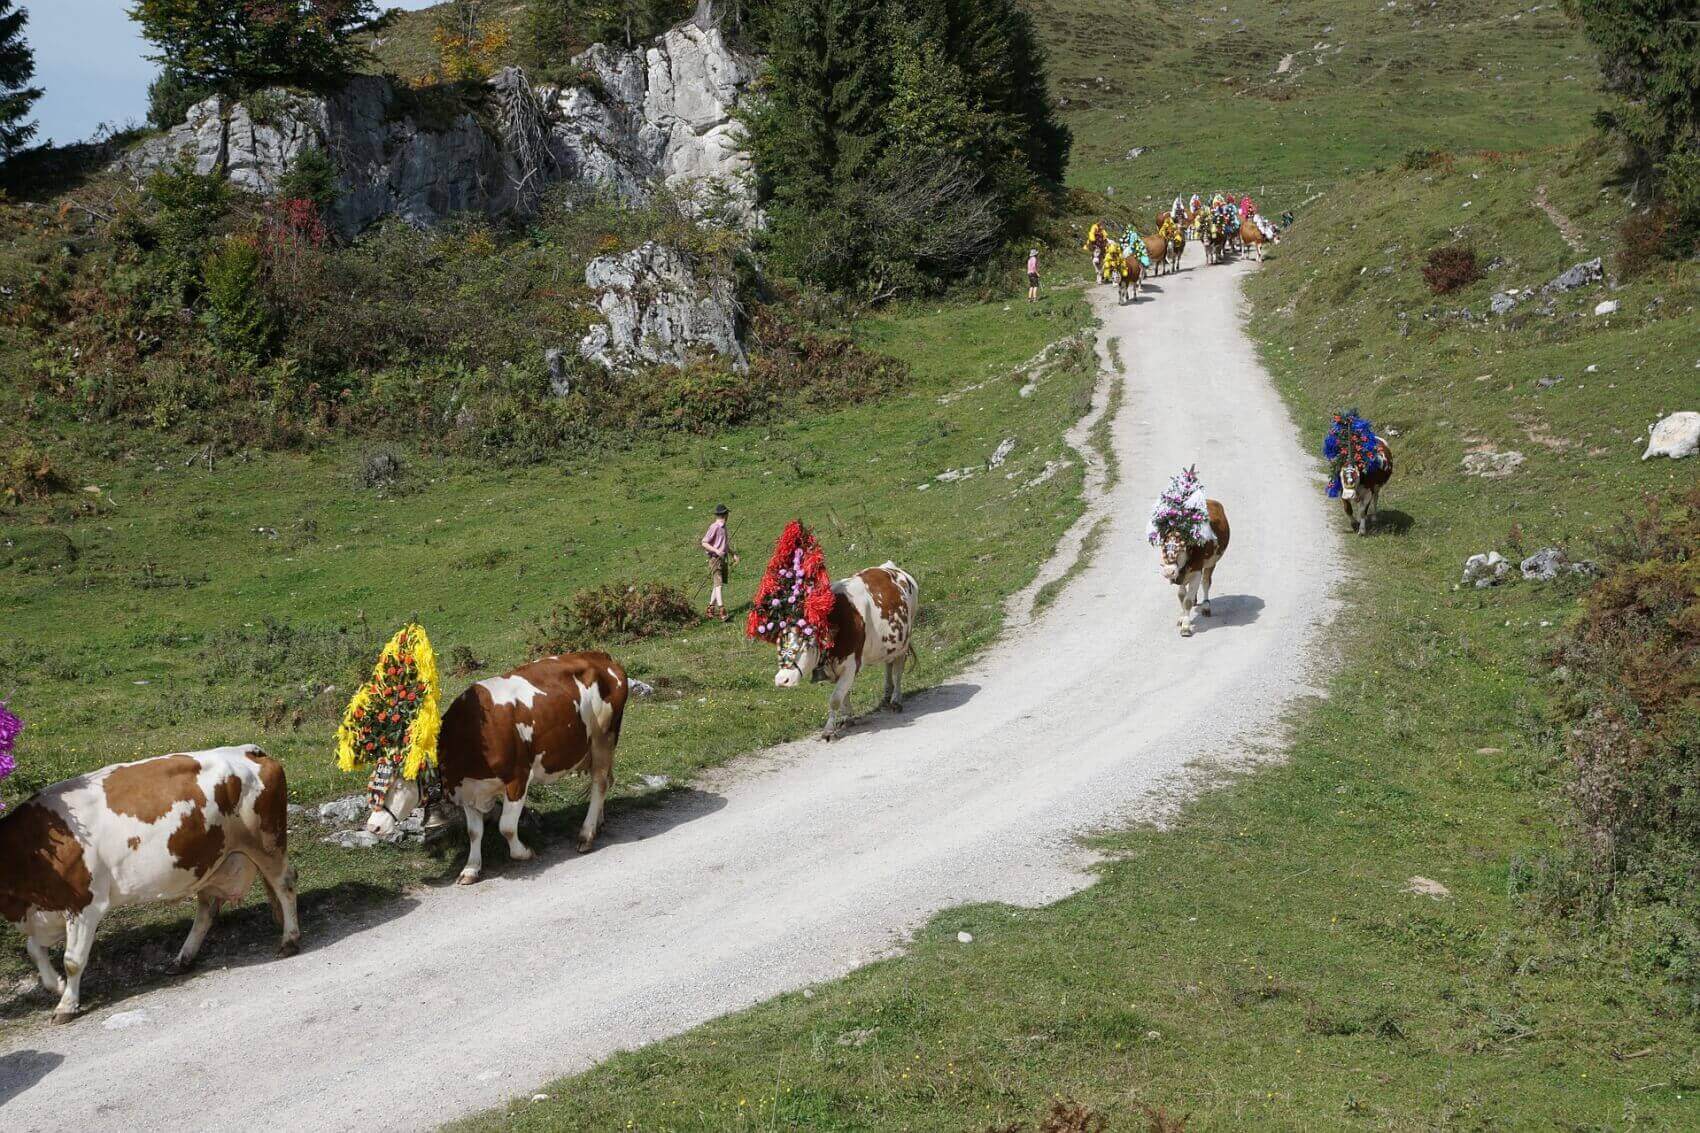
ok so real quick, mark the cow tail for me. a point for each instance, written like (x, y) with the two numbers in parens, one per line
(911, 657)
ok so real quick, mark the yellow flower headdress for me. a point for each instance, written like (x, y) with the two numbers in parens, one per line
(394, 716)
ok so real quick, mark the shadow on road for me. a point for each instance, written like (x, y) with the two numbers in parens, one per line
(917, 705)
(1228, 610)
(22, 1069)
(131, 960)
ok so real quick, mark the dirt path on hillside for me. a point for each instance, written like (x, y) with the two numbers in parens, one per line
(1566, 227)
(807, 860)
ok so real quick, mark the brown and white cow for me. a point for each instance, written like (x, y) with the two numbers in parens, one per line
(873, 614)
(534, 725)
(1191, 566)
(1360, 488)
(1252, 238)
(196, 824)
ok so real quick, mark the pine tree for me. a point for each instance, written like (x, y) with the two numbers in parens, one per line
(17, 67)
(236, 47)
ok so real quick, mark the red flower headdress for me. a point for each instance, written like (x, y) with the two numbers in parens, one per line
(795, 591)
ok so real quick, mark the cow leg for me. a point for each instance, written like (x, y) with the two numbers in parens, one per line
(206, 908)
(279, 877)
(508, 824)
(51, 981)
(79, 946)
(601, 778)
(475, 853)
(838, 707)
(1204, 603)
(894, 683)
(1184, 590)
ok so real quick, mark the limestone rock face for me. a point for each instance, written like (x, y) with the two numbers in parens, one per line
(388, 164)
(661, 115)
(658, 308)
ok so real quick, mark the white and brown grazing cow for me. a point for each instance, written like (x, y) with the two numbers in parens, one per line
(534, 725)
(1360, 488)
(196, 824)
(873, 614)
(1191, 566)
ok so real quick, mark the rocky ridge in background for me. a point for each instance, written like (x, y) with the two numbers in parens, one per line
(660, 115)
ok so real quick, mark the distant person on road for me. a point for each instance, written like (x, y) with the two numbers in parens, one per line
(1032, 275)
(718, 545)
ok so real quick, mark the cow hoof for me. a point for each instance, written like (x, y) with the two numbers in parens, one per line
(289, 947)
(182, 964)
(466, 878)
(585, 845)
(522, 854)
(60, 1017)
(1186, 631)
(895, 706)
(1204, 610)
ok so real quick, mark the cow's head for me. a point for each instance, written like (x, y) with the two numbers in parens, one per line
(393, 797)
(799, 653)
(1349, 477)
(1172, 555)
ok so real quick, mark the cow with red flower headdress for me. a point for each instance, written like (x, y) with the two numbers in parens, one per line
(831, 631)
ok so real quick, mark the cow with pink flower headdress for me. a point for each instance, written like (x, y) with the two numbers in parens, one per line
(1190, 532)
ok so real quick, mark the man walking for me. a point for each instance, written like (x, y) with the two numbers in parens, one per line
(717, 544)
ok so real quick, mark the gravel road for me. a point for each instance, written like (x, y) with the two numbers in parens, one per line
(804, 862)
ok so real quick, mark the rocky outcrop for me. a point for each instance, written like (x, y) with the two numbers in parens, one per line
(658, 309)
(658, 116)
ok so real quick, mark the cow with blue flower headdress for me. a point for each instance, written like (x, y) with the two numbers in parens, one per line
(1362, 465)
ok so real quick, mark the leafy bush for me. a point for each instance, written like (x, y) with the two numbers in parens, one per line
(1451, 268)
(28, 472)
(1418, 160)
(621, 611)
(629, 611)
(237, 316)
(310, 177)
(1630, 670)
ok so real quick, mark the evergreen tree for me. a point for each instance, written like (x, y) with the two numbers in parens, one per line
(17, 67)
(898, 142)
(235, 46)
(1650, 60)
(554, 31)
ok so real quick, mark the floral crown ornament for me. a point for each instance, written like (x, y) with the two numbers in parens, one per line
(393, 717)
(10, 726)
(1351, 442)
(795, 591)
(1181, 511)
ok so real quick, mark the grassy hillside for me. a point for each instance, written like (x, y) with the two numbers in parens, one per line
(1271, 959)
(1263, 963)
(179, 606)
(1202, 87)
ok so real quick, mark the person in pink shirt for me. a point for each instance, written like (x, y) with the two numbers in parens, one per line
(718, 546)
(1032, 274)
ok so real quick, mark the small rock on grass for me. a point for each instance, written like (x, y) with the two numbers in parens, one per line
(965, 938)
(1427, 887)
(1484, 570)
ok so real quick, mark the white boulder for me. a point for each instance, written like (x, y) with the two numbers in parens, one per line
(658, 309)
(1675, 436)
